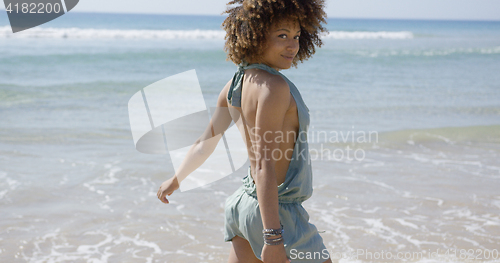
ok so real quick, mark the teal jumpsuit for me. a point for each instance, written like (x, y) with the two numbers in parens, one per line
(242, 214)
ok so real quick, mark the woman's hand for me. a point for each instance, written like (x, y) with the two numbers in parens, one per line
(167, 188)
(274, 254)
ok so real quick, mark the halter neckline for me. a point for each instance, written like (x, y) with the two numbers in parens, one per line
(245, 65)
(234, 94)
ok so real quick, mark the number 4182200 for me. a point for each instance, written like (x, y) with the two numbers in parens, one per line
(33, 8)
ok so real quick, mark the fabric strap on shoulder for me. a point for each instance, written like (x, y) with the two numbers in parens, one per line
(234, 94)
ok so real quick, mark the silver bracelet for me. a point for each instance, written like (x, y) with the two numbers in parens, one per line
(273, 242)
(273, 232)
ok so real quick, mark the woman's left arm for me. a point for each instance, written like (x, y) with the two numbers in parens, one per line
(202, 148)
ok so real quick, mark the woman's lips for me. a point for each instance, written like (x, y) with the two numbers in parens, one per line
(288, 57)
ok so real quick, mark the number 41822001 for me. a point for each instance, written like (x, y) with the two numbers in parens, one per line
(33, 8)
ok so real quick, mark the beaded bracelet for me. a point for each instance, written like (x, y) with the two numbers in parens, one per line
(270, 233)
(273, 232)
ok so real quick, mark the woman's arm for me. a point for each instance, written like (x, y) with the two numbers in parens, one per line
(201, 149)
(273, 102)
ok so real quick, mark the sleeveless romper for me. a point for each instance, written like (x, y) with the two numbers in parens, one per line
(242, 214)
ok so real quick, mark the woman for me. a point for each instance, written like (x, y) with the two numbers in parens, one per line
(264, 218)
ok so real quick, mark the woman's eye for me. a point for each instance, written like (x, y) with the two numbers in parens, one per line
(285, 36)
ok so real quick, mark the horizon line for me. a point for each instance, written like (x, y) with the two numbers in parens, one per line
(359, 18)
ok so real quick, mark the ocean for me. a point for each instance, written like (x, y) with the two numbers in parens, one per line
(404, 140)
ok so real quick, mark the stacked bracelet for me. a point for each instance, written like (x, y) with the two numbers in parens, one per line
(272, 242)
(271, 236)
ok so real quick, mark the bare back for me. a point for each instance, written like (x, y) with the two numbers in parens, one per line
(253, 82)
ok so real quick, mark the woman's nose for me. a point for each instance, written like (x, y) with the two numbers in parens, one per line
(293, 45)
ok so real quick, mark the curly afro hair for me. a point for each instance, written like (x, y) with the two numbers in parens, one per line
(248, 23)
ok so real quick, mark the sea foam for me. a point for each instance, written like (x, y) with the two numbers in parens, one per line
(91, 33)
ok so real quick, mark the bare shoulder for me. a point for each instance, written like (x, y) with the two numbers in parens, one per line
(268, 84)
(260, 85)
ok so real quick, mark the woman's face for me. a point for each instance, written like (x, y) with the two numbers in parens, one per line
(282, 44)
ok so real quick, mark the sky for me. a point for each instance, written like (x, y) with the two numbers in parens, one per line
(382, 9)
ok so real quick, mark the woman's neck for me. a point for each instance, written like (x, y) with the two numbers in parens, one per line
(261, 62)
